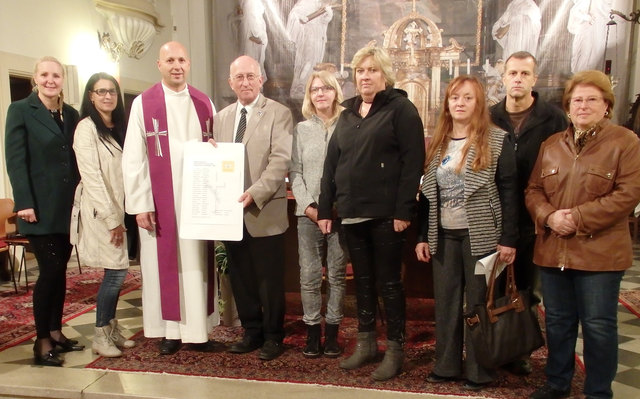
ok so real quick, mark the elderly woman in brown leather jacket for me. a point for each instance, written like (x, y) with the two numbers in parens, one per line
(585, 183)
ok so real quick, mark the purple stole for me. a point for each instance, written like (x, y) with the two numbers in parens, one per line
(155, 123)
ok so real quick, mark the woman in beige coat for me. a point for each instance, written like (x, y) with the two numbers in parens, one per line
(98, 216)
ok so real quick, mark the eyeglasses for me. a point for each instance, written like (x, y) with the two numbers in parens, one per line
(315, 90)
(578, 101)
(240, 77)
(103, 92)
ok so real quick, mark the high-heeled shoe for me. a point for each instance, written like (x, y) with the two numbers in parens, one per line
(50, 358)
(68, 345)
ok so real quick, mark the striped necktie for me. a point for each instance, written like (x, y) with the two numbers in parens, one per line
(242, 126)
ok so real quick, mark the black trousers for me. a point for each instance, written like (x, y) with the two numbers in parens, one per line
(52, 253)
(375, 250)
(133, 239)
(256, 269)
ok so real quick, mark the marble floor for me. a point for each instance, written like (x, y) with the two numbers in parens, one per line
(20, 379)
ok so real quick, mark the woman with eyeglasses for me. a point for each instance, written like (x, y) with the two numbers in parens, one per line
(43, 174)
(371, 173)
(584, 185)
(321, 107)
(98, 217)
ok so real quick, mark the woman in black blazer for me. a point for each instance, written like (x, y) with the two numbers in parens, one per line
(43, 173)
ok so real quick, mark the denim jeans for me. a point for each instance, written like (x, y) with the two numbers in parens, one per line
(376, 254)
(591, 298)
(311, 244)
(107, 299)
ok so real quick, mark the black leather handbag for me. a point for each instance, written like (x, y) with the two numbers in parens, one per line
(505, 329)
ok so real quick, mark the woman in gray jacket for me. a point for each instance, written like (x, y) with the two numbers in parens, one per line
(98, 214)
(321, 107)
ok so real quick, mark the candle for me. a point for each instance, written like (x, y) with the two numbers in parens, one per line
(450, 67)
(468, 66)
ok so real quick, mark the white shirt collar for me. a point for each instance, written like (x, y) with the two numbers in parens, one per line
(248, 107)
(169, 91)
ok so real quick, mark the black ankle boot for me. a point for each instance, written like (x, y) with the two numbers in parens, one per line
(331, 347)
(313, 349)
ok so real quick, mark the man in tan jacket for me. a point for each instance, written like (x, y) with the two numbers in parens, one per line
(256, 263)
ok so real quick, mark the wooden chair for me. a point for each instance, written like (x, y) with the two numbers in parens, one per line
(6, 214)
(7, 226)
(14, 242)
(10, 240)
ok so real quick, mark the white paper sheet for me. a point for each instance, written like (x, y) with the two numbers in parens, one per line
(485, 266)
(213, 180)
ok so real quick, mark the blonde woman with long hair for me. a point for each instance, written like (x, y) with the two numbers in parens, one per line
(43, 173)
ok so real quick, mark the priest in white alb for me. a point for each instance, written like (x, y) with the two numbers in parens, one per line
(178, 286)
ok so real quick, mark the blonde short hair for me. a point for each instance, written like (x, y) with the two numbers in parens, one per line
(381, 59)
(308, 109)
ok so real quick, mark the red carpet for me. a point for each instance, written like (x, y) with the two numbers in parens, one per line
(630, 299)
(293, 367)
(16, 310)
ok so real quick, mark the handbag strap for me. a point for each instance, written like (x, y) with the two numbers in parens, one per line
(511, 290)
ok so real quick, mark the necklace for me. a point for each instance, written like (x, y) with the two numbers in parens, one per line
(361, 110)
(459, 133)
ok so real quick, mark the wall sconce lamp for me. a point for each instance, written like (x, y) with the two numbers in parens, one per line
(131, 27)
(633, 17)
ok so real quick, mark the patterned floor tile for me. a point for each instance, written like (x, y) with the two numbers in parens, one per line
(626, 385)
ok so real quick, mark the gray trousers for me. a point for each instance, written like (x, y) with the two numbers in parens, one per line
(311, 244)
(453, 279)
